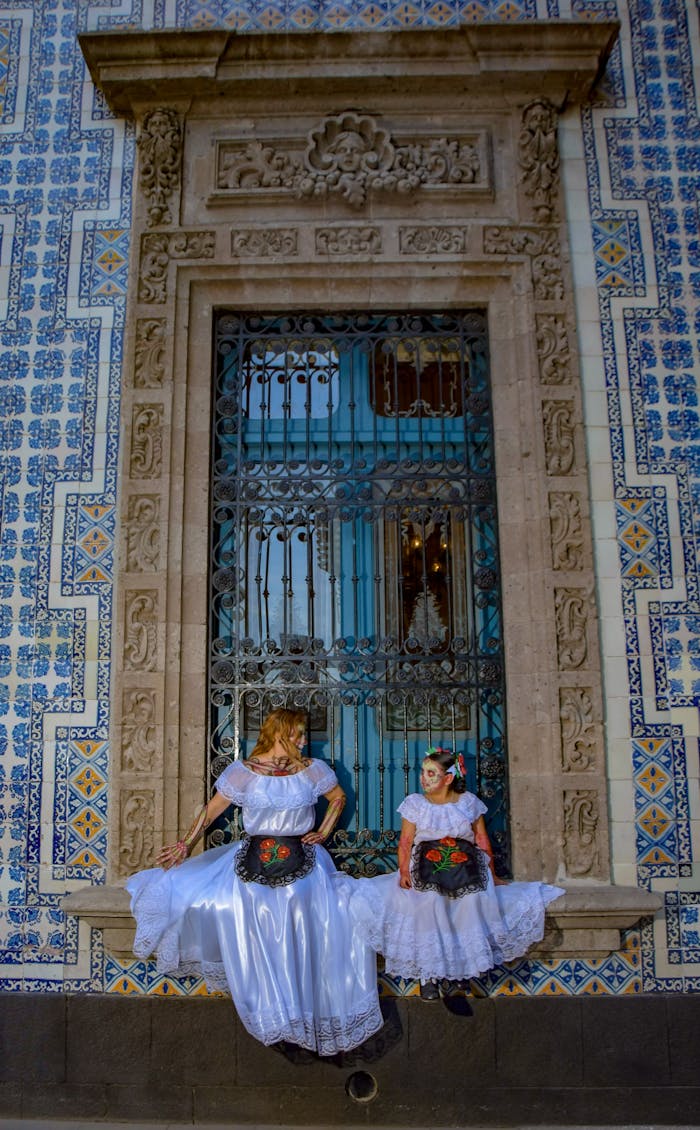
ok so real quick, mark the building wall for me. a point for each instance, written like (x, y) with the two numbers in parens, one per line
(630, 167)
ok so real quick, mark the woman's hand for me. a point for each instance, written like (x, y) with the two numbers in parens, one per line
(336, 803)
(172, 855)
(313, 837)
(405, 881)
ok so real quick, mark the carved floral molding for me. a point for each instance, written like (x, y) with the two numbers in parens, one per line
(351, 155)
(160, 153)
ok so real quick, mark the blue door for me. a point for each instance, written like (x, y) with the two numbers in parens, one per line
(354, 554)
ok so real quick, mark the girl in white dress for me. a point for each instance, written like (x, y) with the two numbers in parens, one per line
(446, 915)
(266, 918)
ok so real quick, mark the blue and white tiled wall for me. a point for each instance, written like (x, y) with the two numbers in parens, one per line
(632, 171)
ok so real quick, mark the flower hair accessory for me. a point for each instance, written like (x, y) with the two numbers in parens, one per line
(459, 768)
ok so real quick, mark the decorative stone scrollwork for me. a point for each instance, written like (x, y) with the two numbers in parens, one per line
(539, 157)
(264, 243)
(157, 249)
(559, 447)
(571, 611)
(567, 531)
(351, 155)
(149, 348)
(432, 240)
(579, 730)
(348, 241)
(137, 819)
(542, 246)
(138, 731)
(146, 455)
(143, 533)
(581, 818)
(140, 630)
(160, 151)
(553, 349)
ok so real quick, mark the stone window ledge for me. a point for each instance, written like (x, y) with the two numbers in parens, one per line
(585, 922)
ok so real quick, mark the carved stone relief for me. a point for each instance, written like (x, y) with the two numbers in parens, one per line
(149, 353)
(560, 450)
(571, 611)
(553, 349)
(146, 456)
(543, 248)
(432, 240)
(137, 818)
(143, 533)
(567, 530)
(160, 152)
(351, 155)
(579, 730)
(539, 158)
(138, 752)
(157, 249)
(140, 630)
(348, 241)
(581, 818)
(264, 242)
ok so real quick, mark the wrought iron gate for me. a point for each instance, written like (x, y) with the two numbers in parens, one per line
(354, 555)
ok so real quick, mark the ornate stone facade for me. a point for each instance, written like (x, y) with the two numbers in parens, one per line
(356, 210)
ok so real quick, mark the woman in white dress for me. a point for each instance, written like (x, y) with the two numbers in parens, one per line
(266, 918)
(446, 915)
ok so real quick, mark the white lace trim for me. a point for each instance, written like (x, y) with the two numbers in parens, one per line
(442, 819)
(411, 951)
(242, 786)
(325, 1035)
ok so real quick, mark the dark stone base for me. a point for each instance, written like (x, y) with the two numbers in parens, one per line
(564, 1060)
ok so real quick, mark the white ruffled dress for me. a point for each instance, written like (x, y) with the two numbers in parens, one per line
(287, 954)
(427, 936)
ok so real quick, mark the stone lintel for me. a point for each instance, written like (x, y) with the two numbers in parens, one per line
(561, 59)
(584, 922)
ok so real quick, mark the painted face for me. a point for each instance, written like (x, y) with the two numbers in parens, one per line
(431, 776)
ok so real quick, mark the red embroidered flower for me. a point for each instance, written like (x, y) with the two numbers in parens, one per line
(265, 856)
(433, 855)
(283, 852)
(449, 840)
(267, 844)
(459, 857)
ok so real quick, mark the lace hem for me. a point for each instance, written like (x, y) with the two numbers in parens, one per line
(325, 1035)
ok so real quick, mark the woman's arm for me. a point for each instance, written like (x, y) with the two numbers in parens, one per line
(336, 804)
(482, 841)
(174, 854)
(408, 835)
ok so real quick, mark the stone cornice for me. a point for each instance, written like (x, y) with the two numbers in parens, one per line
(561, 59)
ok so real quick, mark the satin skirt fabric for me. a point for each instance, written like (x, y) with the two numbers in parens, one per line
(426, 936)
(288, 955)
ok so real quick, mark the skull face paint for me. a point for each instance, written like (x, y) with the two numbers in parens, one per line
(431, 776)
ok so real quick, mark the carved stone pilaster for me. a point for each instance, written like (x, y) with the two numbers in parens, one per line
(138, 744)
(141, 630)
(581, 819)
(149, 353)
(348, 241)
(136, 823)
(580, 731)
(146, 456)
(143, 533)
(157, 249)
(263, 243)
(538, 154)
(160, 153)
(567, 530)
(572, 607)
(559, 446)
(553, 349)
